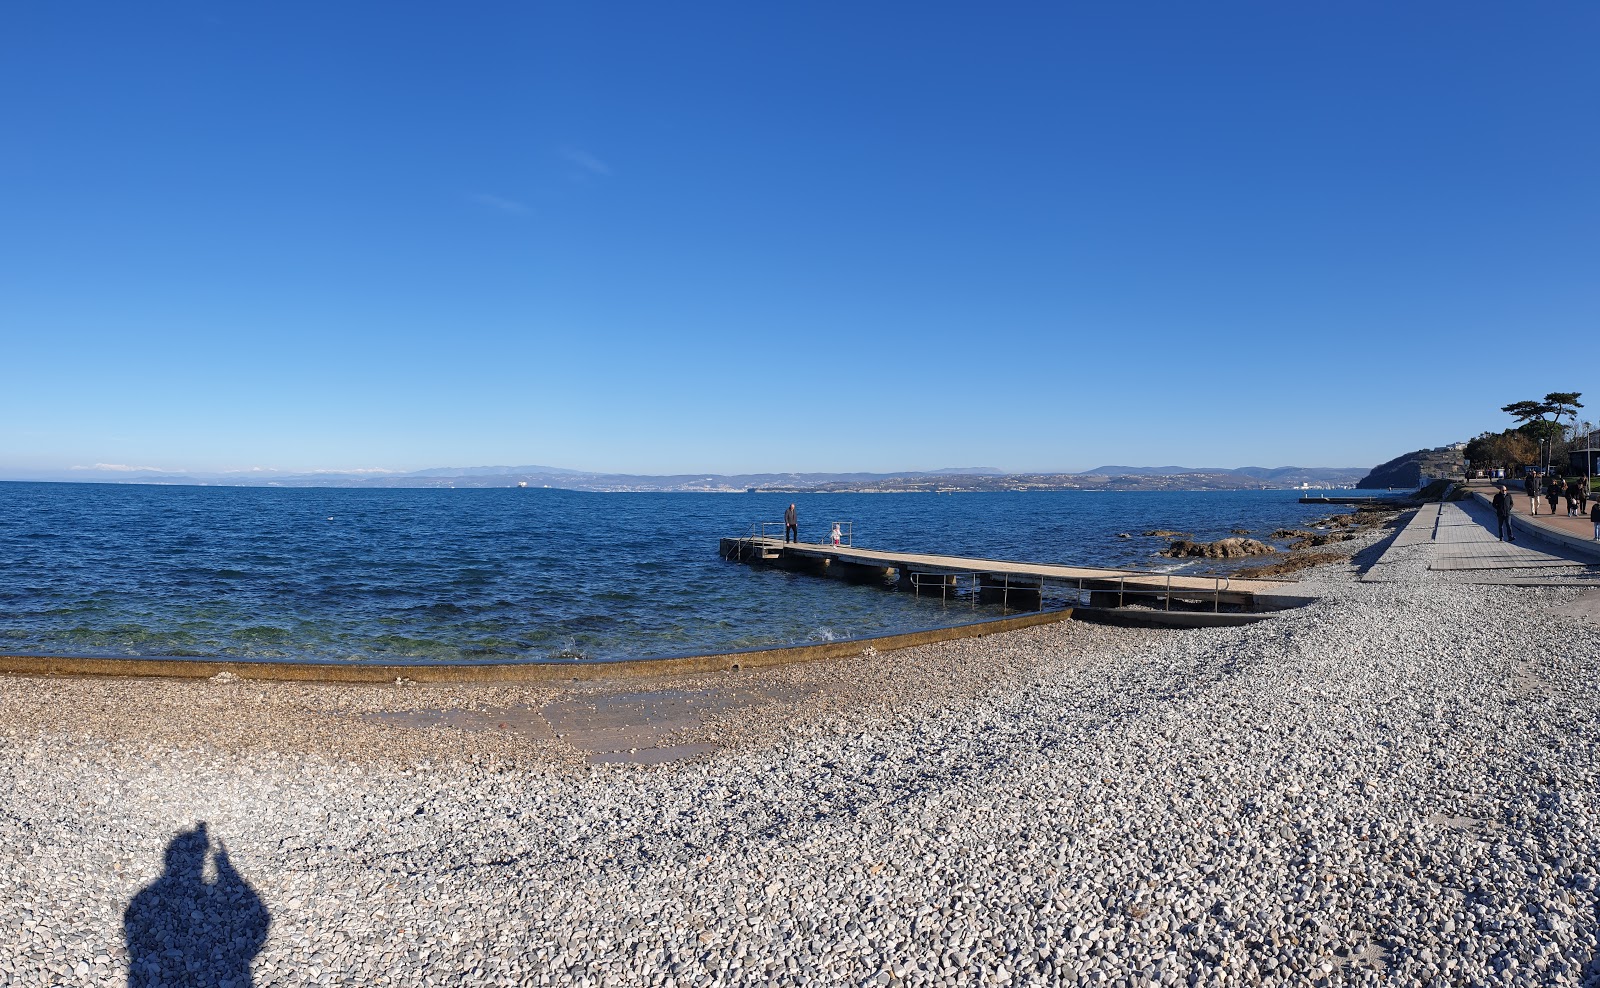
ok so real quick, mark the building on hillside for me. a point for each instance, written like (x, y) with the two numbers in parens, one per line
(1442, 462)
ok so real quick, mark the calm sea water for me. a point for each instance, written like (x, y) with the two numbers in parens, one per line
(497, 575)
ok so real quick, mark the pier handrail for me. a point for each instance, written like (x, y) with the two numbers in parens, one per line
(1220, 583)
(777, 529)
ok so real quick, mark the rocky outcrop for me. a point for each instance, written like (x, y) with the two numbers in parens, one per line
(1318, 540)
(1294, 564)
(1359, 518)
(1232, 548)
(1165, 534)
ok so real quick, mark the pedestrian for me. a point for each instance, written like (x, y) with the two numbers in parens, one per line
(1530, 483)
(791, 525)
(1583, 494)
(835, 535)
(1572, 499)
(1502, 514)
(1553, 493)
(1594, 516)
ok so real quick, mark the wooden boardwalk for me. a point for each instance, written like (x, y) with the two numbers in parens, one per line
(927, 572)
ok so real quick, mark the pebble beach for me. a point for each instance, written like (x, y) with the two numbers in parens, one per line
(1396, 784)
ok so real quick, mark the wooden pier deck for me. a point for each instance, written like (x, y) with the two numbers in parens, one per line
(1001, 581)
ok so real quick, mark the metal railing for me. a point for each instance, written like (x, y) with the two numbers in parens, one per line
(846, 532)
(973, 586)
(776, 530)
(1220, 583)
(946, 582)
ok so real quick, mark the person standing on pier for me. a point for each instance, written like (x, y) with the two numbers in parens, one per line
(1502, 514)
(791, 525)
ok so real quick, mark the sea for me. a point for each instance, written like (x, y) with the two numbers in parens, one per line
(522, 574)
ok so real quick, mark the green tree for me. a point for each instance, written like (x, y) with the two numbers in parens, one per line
(1563, 403)
(1536, 426)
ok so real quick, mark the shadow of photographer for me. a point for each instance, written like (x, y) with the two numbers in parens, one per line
(184, 930)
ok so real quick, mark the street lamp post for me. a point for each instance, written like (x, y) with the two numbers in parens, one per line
(1588, 452)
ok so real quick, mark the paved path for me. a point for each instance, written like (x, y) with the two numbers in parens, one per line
(1460, 535)
(1575, 535)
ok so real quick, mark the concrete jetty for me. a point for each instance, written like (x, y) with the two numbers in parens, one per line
(1016, 585)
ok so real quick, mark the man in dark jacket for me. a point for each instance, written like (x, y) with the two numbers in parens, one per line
(1502, 514)
(791, 526)
(1531, 485)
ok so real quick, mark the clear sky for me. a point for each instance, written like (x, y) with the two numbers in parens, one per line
(664, 237)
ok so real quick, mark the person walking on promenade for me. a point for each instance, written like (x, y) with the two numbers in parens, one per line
(1594, 516)
(1553, 491)
(1583, 494)
(1530, 483)
(1572, 499)
(1502, 514)
(791, 525)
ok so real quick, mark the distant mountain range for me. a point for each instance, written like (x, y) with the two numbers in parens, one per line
(945, 479)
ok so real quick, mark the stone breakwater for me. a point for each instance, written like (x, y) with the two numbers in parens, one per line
(1395, 785)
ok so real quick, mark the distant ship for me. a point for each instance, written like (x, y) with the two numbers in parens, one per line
(522, 483)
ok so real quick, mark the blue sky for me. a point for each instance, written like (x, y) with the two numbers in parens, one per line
(730, 237)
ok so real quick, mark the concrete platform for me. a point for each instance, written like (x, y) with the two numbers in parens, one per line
(825, 559)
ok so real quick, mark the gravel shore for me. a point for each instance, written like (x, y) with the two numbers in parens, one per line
(1394, 785)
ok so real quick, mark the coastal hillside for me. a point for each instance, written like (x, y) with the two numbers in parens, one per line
(1408, 470)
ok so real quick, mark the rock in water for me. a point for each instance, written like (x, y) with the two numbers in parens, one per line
(1221, 549)
(1315, 540)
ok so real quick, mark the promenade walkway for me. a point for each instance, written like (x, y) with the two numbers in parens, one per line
(1576, 535)
(1460, 536)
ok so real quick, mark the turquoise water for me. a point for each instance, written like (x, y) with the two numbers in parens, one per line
(516, 574)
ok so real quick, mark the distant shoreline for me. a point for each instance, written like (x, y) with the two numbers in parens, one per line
(1018, 483)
